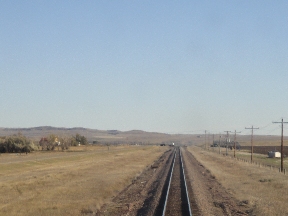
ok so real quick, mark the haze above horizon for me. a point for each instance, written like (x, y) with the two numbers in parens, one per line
(171, 67)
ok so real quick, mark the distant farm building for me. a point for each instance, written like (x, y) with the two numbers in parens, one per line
(274, 154)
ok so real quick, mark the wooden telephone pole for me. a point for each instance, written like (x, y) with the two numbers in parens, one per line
(205, 140)
(219, 143)
(213, 143)
(251, 141)
(227, 136)
(282, 148)
(235, 143)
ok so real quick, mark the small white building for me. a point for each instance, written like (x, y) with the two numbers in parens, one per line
(274, 154)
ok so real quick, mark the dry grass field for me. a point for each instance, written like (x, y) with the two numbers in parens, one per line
(274, 142)
(264, 189)
(244, 140)
(263, 159)
(69, 183)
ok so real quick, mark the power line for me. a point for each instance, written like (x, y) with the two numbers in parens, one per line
(276, 128)
(266, 126)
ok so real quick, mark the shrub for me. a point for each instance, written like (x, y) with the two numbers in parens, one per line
(15, 144)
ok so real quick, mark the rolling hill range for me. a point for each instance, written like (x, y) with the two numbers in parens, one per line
(103, 136)
(136, 136)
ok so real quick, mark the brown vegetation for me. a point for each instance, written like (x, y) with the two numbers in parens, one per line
(265, 149)
(73, 182)
(52, 141)
(15, 144)
(262, 188)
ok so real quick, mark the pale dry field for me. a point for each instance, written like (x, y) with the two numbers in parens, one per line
(244, 140)
(266, 190)
(259, 158)
(69, 183)
(276, 142)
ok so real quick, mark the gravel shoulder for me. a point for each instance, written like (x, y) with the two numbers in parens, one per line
(210, 196)
(252, 184)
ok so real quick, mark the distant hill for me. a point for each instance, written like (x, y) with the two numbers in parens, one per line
(134, 136)
(101, 136)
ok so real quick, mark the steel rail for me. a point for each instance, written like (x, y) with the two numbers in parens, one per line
(170, 178)
(183, 178)
(188, 200)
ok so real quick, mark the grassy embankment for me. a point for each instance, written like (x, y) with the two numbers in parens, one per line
(265, 189)
(69, 183)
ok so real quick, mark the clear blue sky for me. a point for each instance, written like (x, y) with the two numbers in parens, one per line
(165, 66)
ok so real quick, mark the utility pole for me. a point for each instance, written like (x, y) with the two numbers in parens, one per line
(251, 141)
(220, 144)
(205, 140)
(213, 143)
(235, 143)
(227, 141)
(208, 141)
(282, 148)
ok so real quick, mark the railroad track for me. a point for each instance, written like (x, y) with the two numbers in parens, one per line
(175, 196)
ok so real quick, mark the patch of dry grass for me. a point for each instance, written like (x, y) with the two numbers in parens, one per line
(263, 159)
(275, 142)
(264, 189)
(69, 183)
